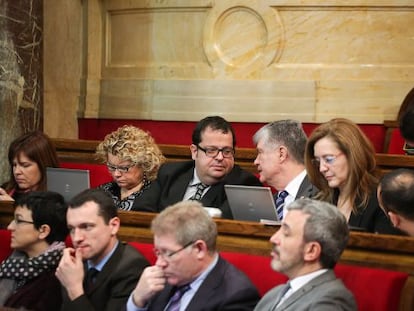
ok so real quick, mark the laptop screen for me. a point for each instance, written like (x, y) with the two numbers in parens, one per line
(251, 203)
(67, 182)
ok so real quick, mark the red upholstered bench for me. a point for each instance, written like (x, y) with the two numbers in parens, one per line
(257, 268)
(374, 289)
(98, 173)
(146, 249)
(396, 142)
(5, 249)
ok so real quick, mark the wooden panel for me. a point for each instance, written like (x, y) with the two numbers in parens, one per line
(83, 151)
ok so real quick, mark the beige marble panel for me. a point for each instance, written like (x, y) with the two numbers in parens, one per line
(252, 60)
(62, 67)
(364, 101)
(155, 42)
(126, 99)
(193, 99)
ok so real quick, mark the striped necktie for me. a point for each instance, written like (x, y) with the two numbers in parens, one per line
(199, 192)
(280, 203)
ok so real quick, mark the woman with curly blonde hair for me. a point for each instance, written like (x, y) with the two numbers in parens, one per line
(133, 159)
(340, 161)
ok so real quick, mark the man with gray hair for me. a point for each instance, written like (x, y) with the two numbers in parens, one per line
(280, 161)
(306, 248)
(189, 274)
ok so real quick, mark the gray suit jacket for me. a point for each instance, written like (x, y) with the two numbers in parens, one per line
(306, 189)
(323, 293)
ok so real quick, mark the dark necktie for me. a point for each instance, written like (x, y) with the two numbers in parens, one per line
(284, 289)
(199, 192)
(175, 300)
(280, 202)
(91, 278)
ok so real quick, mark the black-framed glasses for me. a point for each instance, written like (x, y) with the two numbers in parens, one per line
(122, 168)
(19, 221)
(166, 255)
(409, 149)
(326, 159)
(213, 152)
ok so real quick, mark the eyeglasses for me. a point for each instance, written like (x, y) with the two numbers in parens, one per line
(409, 149)
(326, 159)
(121, 169)
(213, 152)
(166, 255)
(19, 221)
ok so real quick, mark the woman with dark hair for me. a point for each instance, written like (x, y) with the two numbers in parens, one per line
(340, 161)
(38, 232)
(28, 156)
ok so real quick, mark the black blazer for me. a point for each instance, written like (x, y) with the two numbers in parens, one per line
(225, 288)
(371, 218)
(172, 182)
(40, 294)
(114, 283)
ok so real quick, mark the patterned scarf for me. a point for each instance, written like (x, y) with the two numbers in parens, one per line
(23, 269)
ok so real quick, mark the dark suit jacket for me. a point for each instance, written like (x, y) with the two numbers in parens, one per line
(306, 189)
(172, 182)
(323, 293)
(40, 294)
(114, 283)
(372, 218)
(225, 288)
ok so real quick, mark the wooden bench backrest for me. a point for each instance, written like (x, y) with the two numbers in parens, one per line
(83, 151)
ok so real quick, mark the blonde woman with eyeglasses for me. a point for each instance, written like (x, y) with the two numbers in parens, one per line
(340, 161)
(133, 159)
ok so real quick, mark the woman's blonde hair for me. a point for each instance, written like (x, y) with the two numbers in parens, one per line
(131, 143)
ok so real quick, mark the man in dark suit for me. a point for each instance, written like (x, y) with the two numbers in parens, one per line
(407, 126)
(100, 272)
(188, 263)
(396, 198)
(306, 248)
(212, 151)
(280, 159)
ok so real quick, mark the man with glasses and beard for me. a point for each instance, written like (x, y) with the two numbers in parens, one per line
(306, 248)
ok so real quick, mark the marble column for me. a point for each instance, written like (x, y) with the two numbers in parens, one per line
(21, 24)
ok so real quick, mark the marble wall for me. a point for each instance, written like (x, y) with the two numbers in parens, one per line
(248, 60)
(20, 72)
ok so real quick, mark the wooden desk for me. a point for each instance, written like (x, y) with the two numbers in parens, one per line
(363, 249)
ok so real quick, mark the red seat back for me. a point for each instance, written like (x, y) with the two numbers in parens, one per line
(5, 249)
(257, 268)
(373, 289)
(396, 143)
(146, 249)
(98, 173)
